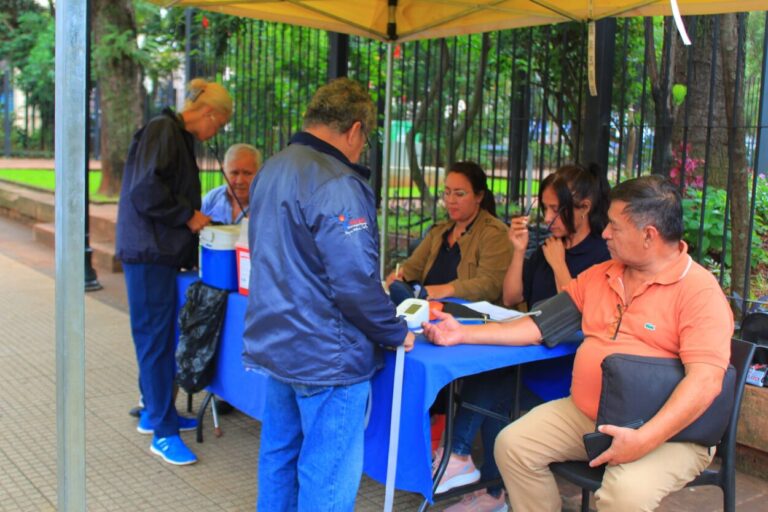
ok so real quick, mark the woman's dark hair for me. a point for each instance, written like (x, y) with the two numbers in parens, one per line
(478, 179)
(575, 183)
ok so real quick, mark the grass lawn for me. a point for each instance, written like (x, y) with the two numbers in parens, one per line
(44, 179)
(498, 186)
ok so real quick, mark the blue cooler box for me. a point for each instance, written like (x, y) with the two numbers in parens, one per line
(218, 265)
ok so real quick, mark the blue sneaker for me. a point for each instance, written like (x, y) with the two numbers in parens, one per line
(185, 424)
(173, 450)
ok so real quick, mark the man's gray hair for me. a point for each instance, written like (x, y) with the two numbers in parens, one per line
(652, 201)
(236, 149)
(339, 104)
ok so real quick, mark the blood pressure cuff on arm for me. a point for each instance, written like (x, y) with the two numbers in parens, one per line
(558, 319)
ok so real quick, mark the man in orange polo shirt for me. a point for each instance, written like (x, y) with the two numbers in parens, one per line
(650, 299)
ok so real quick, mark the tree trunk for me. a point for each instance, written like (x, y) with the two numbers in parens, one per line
(475, 102)
(697, 77)
(733, 50)
(631, 138)
(119, 81)
(661, 86)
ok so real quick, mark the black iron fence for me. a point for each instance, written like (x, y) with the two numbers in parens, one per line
(518, 103)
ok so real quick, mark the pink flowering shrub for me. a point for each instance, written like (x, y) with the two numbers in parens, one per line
(690, 167)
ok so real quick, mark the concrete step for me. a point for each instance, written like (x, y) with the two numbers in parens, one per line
(29, 206)
(103, 255)
(38, 208)
(32, 206)
(103, 218)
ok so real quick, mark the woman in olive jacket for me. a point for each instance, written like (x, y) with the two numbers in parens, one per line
(467, 255)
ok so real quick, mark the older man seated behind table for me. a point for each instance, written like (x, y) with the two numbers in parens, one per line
(241, 163)
(651, 299)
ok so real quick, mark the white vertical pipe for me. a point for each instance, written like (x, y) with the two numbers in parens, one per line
(394, 429)
(386, 160)
(70, 265)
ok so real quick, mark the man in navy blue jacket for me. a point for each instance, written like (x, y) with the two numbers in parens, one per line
(317, 314)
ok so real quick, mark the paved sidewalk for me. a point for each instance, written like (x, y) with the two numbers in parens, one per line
(121, 473)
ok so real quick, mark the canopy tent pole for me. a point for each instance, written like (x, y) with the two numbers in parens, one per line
(70, 266)
(386, 160)
(394, 429)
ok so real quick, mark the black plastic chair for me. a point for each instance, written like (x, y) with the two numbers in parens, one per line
(590, 479)
(754, 328)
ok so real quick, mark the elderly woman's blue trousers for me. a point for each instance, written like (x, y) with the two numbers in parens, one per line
(151, 292)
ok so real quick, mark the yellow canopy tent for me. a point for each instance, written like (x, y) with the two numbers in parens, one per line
(404, 20)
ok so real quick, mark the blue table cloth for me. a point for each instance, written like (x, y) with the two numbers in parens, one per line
(428, 368)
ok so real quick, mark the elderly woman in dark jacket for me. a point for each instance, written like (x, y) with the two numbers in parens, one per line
(157, 224)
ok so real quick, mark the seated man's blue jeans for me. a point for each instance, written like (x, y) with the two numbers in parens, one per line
(493, 391)
(311, 455)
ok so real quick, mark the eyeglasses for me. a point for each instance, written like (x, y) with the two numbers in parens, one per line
(457, 193)
(618, 321)
(523, 211)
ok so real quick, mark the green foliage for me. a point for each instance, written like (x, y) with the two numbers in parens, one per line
(116, 46)
(30, 48)
(713, 222)
(15, 40)
(679, 91)
(628, 66)
(156, 49)
(755, 37)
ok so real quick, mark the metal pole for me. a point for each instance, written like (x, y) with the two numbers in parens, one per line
(394, 429)
(761, 146)
(597, 129)
(338, 56)
(96, 148)
(8, 95)
(188, 61)
(385, 165)
(91, 279)
(69, 210)
(761, 160)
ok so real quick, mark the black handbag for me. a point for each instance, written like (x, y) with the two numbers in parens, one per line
(636, 388)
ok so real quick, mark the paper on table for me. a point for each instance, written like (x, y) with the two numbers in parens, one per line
(496, 313)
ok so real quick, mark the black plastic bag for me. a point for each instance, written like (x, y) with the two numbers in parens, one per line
(200, 322)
